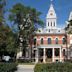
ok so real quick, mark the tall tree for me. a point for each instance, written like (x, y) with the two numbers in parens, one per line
(8, 45)
(69, 27)
(25, 18)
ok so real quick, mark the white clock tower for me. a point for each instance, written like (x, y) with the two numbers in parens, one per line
(51, 18)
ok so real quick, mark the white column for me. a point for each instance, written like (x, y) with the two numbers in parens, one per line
(36, 56)
(60, 55)
(44, 57)
(53, 55)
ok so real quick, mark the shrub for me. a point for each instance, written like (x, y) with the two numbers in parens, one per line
(8, 67)
(54, 67)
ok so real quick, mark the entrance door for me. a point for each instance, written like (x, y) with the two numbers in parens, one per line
(40, 51)
(49, 55)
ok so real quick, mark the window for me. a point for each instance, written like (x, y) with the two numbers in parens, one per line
(56, 41)
(41, 40)
(63, 40)
(49, 40)
(48, 23)
(49, 30)
(63, 52)
(54, 23)
(51, 23)
(34, 41)
(56, 51)
(58, 30)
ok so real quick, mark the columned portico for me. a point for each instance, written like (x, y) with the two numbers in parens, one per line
(54, 58)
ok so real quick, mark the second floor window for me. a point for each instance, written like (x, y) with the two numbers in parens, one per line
(63, 40)
(41, 40)
(49, 40)
(56, 41)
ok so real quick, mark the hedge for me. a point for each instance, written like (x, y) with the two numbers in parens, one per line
(8, 67)
(54, 67)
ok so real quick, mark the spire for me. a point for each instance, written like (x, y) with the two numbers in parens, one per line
(51, 12)
(51, 1)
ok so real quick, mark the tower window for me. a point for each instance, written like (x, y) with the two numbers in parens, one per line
(49, 30)
(48, 23)
(54, 23)
(51, 23)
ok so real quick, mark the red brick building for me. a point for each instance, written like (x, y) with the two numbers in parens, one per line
(51, 42)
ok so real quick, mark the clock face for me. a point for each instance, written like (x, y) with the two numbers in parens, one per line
(51, 13)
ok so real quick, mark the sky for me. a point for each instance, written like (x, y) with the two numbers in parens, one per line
(62, 8)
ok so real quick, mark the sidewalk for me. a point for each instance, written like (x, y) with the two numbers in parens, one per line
(25, 68)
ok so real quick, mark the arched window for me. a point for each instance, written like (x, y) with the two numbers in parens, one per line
(54, 23)
(35, 41)
(51, 23)
(63, 52)
(41, 40)
(49, 40)
(63, 40)
(56, 41)
(48, 23)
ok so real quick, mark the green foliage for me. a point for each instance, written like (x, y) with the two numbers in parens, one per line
(69, 27)
(2, 10)
(7, 40)
(24, 10)
(8, 67)
(54, 67)
(26, 17)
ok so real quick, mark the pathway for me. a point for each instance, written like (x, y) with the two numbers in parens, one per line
(25, 68)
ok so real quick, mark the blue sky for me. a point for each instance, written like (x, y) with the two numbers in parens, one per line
(62, 8)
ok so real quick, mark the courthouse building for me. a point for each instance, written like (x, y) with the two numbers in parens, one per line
(51, 43)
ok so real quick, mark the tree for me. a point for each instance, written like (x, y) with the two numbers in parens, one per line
(69, 27)
(2, 10)
(68, 30)
(7, 36)
(25, 18)
(8, 45)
